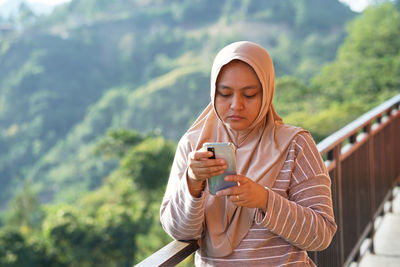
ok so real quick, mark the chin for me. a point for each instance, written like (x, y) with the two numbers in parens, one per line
(236, 127)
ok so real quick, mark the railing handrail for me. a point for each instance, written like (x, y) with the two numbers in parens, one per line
(171, 254)
(177, 251)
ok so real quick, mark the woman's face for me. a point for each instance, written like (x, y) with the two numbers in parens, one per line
(238, 95)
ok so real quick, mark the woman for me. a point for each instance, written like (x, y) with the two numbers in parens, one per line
(281, 206)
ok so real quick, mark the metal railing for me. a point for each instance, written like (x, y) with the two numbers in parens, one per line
(363, 160)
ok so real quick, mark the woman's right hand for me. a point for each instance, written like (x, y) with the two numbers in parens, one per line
(201, 167)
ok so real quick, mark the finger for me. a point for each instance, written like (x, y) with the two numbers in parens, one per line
(198, 155)
(213, 163)
(236, 199)
(240, 179)
(209, 172)
(206, 166)
(228, 192)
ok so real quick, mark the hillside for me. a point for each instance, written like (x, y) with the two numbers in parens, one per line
(96, 65)
(94, 98)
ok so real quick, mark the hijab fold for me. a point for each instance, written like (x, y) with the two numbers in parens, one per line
(261, 149)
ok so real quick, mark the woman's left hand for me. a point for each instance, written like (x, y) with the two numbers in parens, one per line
(247, 193)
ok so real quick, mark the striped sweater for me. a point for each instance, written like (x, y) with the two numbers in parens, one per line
(299, 215)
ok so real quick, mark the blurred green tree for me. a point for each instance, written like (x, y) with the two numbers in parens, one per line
(365, 73)
(16, 251)
(25, 212)
(149, 164)
(367, 67)
(117, 224)
(117, 143)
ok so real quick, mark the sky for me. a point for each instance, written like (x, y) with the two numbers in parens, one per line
(47, 2)
(356, 5)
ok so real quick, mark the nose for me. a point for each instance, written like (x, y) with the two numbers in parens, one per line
(237, 102)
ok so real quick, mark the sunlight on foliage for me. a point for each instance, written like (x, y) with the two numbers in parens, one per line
(94, 98)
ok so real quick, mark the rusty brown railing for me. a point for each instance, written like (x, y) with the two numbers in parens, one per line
(363, 160)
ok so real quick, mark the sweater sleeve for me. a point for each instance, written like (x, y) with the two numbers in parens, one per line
(181, 214)
(305, 219)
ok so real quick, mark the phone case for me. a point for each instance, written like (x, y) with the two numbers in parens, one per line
(225, 151)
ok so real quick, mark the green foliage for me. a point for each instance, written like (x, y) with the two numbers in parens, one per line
(155, 237)
(109, 226)
(73, 83)
(25, 211)
(179, 90)
(368, 63)
(25, 15)
(16, 250)
(291, 96)
(96, 65)
(116, 143)
(149, 164)
(82, 240)
(311, 15)
(365, 73)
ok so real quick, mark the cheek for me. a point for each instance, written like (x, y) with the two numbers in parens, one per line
(221, 106)
(255, 109)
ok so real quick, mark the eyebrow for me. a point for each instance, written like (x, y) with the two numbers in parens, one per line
(243, 88)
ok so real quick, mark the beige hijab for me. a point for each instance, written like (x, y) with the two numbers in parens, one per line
(260, 150)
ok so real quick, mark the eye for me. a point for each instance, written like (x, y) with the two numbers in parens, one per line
(224, 94)
(249, 96)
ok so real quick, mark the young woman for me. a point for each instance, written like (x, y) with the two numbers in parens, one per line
(281, 206)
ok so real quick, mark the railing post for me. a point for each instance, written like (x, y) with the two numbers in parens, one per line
(368, 131)
(338, 176)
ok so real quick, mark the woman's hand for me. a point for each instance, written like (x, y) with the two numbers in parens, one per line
(201, 167)
(247, 193)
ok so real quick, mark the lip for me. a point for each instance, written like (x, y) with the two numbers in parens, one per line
(235, 117)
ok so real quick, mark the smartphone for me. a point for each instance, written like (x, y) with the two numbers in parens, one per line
(224, 151)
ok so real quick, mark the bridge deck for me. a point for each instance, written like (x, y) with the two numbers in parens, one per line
(387, 239)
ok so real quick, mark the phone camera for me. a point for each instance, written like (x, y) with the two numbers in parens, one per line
(213, 151)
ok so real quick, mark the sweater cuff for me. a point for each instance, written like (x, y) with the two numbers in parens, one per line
(186, 191)
(262, 218)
